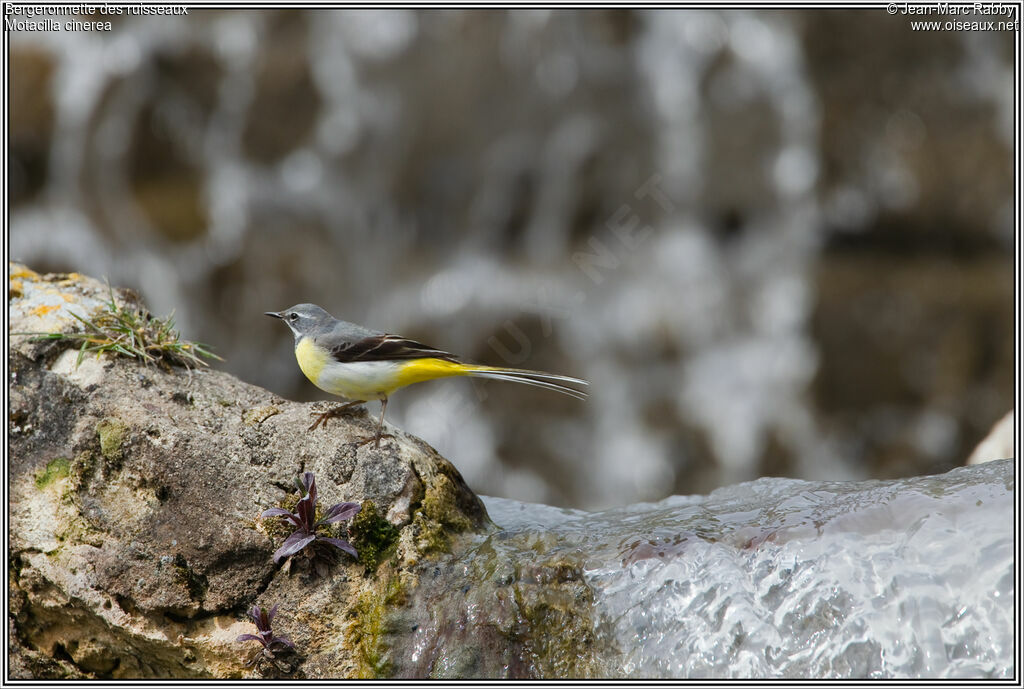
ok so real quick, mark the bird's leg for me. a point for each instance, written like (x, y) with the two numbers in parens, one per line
(380, 428)
(321, 417)
(380, 423)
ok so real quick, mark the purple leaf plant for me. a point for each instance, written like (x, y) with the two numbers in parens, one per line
(265, 636)
(306, 524)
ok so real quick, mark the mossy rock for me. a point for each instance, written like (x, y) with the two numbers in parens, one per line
(56, 469)
(373, 657)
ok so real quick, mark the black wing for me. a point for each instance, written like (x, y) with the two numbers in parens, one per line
(386, 348)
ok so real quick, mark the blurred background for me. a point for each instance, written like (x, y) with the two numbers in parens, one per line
(778, 243)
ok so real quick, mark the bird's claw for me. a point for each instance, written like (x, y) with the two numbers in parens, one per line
(322, 416)
(375, 439)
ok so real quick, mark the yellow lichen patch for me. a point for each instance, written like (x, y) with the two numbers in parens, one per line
(70, 279)
(17, 288)
(19, 271)
(44, 309)
(257, 415)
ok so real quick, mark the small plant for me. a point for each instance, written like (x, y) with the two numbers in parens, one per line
(272, 645)
(134, 333)
(317, 547)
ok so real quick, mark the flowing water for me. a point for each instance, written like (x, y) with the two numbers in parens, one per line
(775, 578)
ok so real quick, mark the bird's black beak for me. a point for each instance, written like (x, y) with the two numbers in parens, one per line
(275, 315)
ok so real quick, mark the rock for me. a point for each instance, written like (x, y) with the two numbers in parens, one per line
(136, 543)
(998, 444)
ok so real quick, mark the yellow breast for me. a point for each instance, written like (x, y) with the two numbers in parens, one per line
(311, 360)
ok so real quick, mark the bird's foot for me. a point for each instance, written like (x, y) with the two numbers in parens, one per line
(340, 410)
(375, 439)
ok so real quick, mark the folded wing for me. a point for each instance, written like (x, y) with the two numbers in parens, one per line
(387, 348)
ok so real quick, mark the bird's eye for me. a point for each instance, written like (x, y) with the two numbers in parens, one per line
(293, 316)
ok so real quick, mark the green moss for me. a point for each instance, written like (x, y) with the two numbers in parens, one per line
(55, 470)
(556, 632)
(372, 655)
(375, 616)
(112, 433)
(69, 525)
(394, 592)
(560, 636)
(439, 516)
(440, 504)
(374, 538)
(430, 536)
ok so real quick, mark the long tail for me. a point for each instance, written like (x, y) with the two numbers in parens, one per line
(540, 379)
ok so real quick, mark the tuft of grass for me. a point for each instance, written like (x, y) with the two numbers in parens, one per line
(133, 333)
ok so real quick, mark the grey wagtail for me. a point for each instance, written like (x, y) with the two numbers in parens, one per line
(360, 364)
